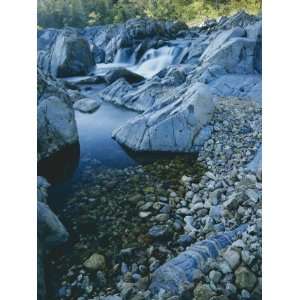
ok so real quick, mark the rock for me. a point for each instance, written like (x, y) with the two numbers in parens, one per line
(99, 54)
(56, 126)
(172, 126)
(95, 262)
(233, 258)
(51, 233)
(203, 292)
(86, 105)
(131, 34)
(70, 55)
(241, 19)
(215, 276)
(255, 165)
(245, 279)
(117, 73)
(245, 294)
(184, 240)
(230, 289)
(235, 56)
(175, 276)
(252, 195)
(42, 189)
(159, 232)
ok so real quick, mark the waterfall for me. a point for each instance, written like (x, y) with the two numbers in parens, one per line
(154, 60)
(151, 63)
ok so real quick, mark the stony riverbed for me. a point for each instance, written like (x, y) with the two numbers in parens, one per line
(112, 217)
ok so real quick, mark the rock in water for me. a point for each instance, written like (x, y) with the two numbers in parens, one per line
(51, 233)
(69, 56)
(176, 276)
(86, 105)
(116, 73)
(95, 262)
(56, 126)
(173, 125)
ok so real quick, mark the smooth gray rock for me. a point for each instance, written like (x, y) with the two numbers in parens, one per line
(86, 105)
(50, 233)
(117, 73)
(172, 125)
(149, 94)
(131, 34)
(56, 126)
(70, 55)
(236, 56)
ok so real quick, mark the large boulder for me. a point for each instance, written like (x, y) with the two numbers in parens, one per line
(149, 94)
(173, 125)
(119, 72)
(56, 126)
(70, 55)
(50, 233)
(131, 34)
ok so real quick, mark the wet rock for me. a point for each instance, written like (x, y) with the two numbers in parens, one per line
(159, 232)
(95, 262)
(153, 130)
(70, 55)
(203, 292)
(232, 258)
(86, 105)
(244, 278)
(117, 73)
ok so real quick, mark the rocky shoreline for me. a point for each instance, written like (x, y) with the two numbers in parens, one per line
(147, 215)
(130, 229)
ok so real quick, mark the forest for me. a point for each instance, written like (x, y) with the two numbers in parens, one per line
(80, 13)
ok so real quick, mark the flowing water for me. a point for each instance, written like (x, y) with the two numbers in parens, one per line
(96, 183)
(151, 63)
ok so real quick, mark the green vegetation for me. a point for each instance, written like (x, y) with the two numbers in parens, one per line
(80, 13)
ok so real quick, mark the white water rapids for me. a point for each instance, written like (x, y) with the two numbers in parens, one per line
(151, 63)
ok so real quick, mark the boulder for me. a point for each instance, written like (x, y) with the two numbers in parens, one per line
(111, 38)
(236, 56)
(86, 105)
(152, 92)
(117, 73)
(50, 233)
(241, 19)
(172, 125)
(70, 55)
(56, 126)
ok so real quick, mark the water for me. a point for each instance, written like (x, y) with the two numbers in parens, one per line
(96, 149)
(151, 63)
(95, 138)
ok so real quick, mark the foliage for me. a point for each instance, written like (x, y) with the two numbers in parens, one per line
(80, 13)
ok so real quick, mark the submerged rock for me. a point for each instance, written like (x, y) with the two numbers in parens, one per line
(86, 105)
(171, 126)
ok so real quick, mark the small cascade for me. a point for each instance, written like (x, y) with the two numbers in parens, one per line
(151, 63)
(154, 60)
